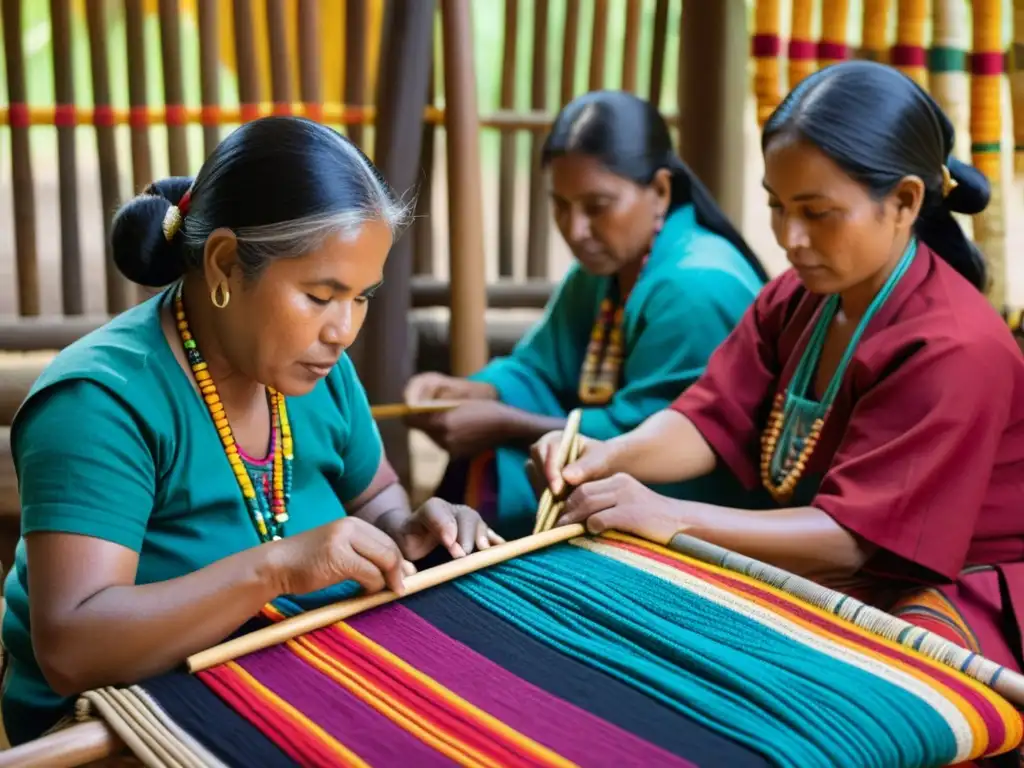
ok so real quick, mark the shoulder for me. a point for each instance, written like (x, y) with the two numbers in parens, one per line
(118, 361)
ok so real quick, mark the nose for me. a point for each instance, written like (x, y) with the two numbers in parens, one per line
(341, 327)
(793, 234)
(578, 230)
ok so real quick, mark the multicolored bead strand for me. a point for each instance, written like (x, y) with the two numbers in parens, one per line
(1017, 84)
(268, 518)
(833, 47)
(765, 47)
(599, 377)
(910, 55)
(875, 31)
(987, 67)
(802, 52)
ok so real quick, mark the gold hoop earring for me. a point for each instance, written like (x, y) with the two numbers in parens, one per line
(220, 295)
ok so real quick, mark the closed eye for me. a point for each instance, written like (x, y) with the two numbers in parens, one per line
(317, 300)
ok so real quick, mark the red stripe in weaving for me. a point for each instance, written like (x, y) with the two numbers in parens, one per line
(64, 115)
(314, 110)
(18, 116)
(802, 50)
(103, 116)
(138, 117)
(412, 693)
(174, 114)
(764, 46)
(989, 715)
(987, 63)
(249, 112)
(908, 56)
(283, 731)
(828, 51)
(209, 115)
(282, 108)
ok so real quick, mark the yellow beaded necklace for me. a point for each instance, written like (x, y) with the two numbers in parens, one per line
(268, 514)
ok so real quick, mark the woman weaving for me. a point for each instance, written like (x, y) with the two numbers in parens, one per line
(660, 279)
(871, 390)
(212, 448)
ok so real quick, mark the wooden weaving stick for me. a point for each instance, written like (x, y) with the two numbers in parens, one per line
(568, 449)
(319, 618)
(401, 410)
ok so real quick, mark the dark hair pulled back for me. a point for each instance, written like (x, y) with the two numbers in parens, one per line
(281, 184)
(880, 126)
(629, 137)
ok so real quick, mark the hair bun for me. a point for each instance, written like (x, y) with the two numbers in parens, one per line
(140, 250)
(972, 191)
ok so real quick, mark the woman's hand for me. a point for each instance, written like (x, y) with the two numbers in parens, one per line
(468, 429)
(458, 528)
(425, 387)
(345, 549)
(594, 462)
(622, 503)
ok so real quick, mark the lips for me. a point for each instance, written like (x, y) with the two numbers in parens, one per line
(319, 369)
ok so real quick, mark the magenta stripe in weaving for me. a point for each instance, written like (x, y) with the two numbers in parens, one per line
(828, 51)
(369, 734)
(802, 50)
(987, 63)
(908, 56)
(572, 732)
(763, 46)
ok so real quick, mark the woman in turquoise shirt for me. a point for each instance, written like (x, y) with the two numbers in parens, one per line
(212, 448)
(661, 278)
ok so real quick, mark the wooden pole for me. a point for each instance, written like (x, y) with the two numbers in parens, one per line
(465, 207)
(398, 137)
(712, 90)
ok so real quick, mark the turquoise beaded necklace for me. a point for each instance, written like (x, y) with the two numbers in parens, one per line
(796, 421)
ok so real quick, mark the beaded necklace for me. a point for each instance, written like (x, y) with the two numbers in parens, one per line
(796, 421)
(599, 376)
(268, 510)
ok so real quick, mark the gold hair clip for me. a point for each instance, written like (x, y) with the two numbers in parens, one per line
(172, 222)
(948, 182)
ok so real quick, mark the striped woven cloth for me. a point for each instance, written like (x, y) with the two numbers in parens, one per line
(600, 651)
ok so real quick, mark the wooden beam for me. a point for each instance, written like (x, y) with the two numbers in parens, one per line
(465, 205)
(712, 95)
(401, 100)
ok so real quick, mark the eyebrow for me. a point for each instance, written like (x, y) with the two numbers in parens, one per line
(340, 287)
(797, 198)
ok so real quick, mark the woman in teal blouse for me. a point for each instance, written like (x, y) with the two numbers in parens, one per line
(661, 279)
(212, 448)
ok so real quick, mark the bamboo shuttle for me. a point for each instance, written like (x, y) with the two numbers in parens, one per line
(401, 410)
(547, 508)
(331, 614)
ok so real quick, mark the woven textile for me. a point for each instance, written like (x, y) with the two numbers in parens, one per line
(606, 651)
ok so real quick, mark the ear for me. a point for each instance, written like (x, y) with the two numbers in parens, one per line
(661, 185)
(220, 258)
(908, 196)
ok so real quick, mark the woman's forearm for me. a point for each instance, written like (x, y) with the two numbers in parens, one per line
(525, 428)
(802, 540)
(666, 448)
(123, 634)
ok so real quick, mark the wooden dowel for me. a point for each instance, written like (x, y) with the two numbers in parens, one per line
(401, 410)
(80, 744)
(331, 614)
(548, 510)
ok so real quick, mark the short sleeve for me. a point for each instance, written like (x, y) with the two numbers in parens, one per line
(363, 450)
(84, 465)
(728, 402)
(682, 323)
(913, 469)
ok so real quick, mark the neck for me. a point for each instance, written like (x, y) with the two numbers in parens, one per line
(856, 299)
(628, 275)
(236, 390)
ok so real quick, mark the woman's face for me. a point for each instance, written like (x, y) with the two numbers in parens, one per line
(607, 221)
(834, 233)
(289, 326)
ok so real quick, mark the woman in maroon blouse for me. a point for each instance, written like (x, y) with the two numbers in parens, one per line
(871, 394)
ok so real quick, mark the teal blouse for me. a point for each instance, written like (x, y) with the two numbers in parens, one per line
(113, 442)
(693, 291)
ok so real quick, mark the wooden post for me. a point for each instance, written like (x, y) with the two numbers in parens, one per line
(712, 88)
(467, 330)
(400, 103)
